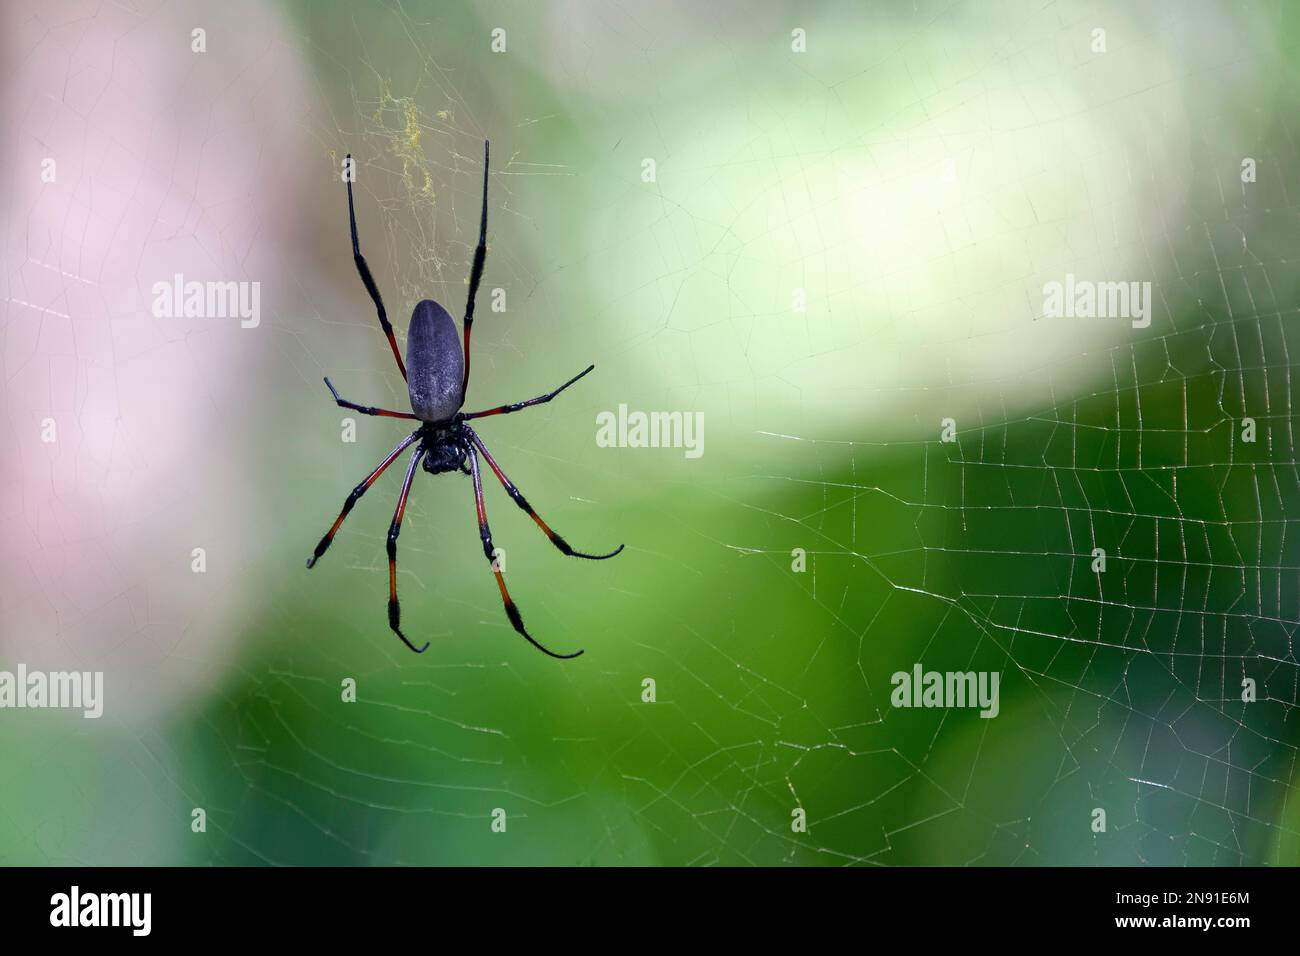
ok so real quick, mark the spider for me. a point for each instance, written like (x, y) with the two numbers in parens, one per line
(437, 376)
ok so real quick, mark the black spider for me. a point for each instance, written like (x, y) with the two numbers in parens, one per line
(437, 380)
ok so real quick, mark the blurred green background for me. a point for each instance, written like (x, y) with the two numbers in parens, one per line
(915, 174)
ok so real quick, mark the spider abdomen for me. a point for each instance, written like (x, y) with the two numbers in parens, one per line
(435, 367)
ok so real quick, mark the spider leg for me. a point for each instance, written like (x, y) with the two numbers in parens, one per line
(366, 409)
(516, 406)
(356, 493)
(485, 533)
(522, 502)
(476, 272)
(369, 281)
(394, 609)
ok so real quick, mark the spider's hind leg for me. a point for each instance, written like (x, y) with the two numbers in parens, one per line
(369, 281)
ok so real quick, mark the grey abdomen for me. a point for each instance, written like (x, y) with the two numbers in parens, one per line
(435, 367)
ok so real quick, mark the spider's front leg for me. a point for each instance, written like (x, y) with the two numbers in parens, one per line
(394, 529)
(517, 497)
(328, 538)
(485, 533)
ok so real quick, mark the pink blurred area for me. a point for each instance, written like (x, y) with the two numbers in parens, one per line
(167, 161)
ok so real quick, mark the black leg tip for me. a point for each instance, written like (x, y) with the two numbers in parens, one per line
(547, 651)
(394, 623)
(418, 650)
(597, 557)
(550, 653)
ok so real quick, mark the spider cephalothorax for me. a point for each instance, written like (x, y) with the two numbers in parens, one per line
(437, 375)
(446, 447)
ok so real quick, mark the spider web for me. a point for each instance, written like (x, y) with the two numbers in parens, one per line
(918, 175)
(1123, 689)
